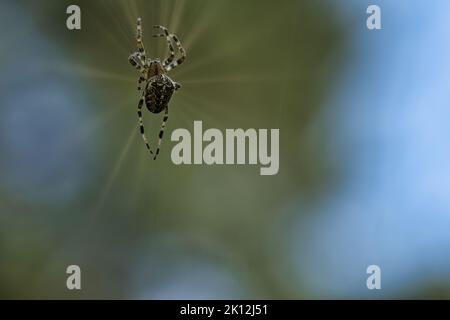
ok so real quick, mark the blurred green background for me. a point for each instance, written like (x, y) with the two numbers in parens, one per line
(79, 187)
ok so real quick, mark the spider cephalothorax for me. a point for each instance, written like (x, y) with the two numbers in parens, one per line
(158, 87)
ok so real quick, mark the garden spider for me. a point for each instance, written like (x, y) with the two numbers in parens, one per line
(158, 87)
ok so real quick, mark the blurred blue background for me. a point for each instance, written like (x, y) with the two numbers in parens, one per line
(364, 160)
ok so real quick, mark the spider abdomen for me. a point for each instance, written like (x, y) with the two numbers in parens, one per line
(158, 92)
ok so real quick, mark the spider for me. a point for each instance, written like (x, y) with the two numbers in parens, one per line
(158, 87)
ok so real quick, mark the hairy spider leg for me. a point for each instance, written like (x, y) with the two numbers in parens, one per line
(136, 61)
(141, 122)
(140, 44)
(169, 63)
(180, 60)
(169, 44)
(161, 132)
(140, 80)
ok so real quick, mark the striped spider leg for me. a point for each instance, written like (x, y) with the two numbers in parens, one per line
(136, 61)
(139, 61)
(141, 121)
(169, 64)
(161, 132)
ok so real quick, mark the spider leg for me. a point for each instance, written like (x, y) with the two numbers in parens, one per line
(140, 80)
(141, 122)
(140, 44)
(135, 60)
(176, 85)
(161, 132)
(169, 44)
(180, 60)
